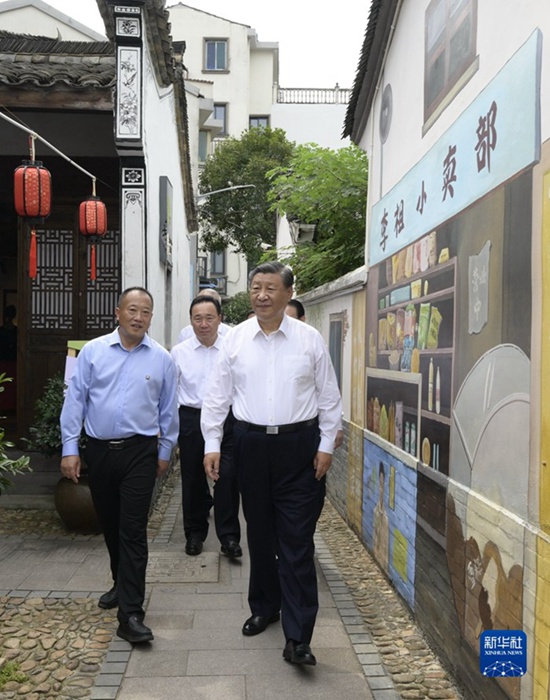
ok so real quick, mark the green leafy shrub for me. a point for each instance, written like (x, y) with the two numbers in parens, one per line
(7, 465)
(46, 430)
(237, 308)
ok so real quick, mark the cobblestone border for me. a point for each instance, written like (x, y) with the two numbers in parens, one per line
(380, 682)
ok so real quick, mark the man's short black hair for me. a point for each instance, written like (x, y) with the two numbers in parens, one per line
(298, 306)
(203, 299)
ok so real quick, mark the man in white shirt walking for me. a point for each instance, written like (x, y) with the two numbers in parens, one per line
(277, 375)
(194, 359)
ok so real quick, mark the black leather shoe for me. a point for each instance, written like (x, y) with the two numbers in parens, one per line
(134, 631)
(257, 624)
(193, 546)
(109, 600)
(299, 653)
(232, 549)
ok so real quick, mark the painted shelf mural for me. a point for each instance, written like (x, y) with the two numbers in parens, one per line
(411, 352)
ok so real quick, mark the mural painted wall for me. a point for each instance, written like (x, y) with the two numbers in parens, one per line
(389, 516)
(447, 476)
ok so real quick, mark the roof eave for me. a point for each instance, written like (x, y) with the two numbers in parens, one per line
(381, 19)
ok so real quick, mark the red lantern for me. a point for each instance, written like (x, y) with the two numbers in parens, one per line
(93, 224)
(33, 190)
(33, 195)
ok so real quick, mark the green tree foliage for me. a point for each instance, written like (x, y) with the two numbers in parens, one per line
(236, 309)
(242, 217)
(329, 189)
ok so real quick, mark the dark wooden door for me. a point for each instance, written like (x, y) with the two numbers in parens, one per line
(62, 303)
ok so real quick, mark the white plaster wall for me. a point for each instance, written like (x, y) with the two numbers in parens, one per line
(160, 141)
(284, 239)
(501, 30)
(318, 123)
(318, 315)
(237, 272)
(193, 26)
(261, 82)
(193, 121)
(39, 23)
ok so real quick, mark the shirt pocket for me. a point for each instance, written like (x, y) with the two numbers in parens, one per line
(298, 369)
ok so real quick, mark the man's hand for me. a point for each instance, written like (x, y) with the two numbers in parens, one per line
(70, 467)
(321, 463)
(339, 439)
(162, 467)
(211, 464)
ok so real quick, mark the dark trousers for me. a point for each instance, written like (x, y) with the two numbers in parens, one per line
(121, 484)
(194, 482)
(282, 502)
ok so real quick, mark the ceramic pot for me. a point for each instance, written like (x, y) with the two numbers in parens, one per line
(75, 507)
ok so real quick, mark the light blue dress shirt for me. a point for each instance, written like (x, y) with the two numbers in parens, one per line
(118, 393)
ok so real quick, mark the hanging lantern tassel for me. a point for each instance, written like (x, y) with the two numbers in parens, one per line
(93, 273)
(93, 224)
(32, 255)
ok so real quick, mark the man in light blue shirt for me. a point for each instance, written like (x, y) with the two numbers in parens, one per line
(123, 392)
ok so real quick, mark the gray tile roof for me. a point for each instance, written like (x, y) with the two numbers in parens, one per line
(35, 61)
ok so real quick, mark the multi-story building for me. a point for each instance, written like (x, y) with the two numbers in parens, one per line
(232, 82)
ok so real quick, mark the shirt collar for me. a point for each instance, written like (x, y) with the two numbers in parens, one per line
(284, 328)
(115, 339)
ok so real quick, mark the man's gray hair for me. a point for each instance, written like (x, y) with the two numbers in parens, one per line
(273, 268)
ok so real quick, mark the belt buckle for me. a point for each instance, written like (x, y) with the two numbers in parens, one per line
(272, 430)
(116, 444)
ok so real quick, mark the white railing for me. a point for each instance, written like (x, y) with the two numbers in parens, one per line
(314, 96)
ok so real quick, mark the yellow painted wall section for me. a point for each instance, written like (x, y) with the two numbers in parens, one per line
(541, 685)
(545, 361)
(357, 418)
(541, 671)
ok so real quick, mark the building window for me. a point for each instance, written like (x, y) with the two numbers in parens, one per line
(203, 146)
(220, 114)
(335, 344)
(217, 263)
(201, 266)
(215, 54)
(450, 45)
(258, 122)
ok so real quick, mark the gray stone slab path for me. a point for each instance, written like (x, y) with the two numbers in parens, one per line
(196, 607)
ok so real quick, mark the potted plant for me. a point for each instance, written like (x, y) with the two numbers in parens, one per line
(9, 467)
(73, 502)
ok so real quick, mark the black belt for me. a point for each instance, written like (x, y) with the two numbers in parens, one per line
(190, 409)
(123, 442)
(277, 429)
